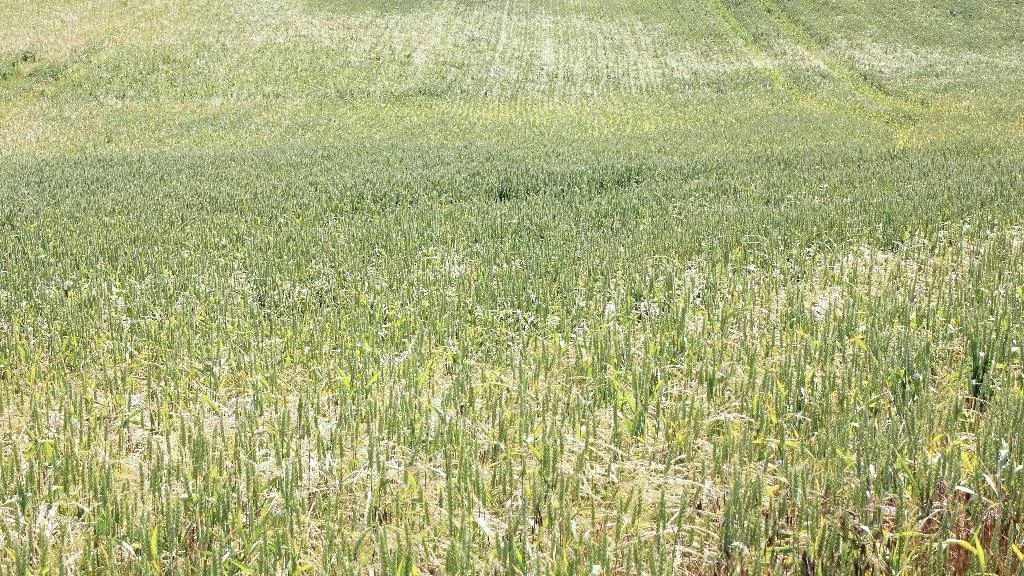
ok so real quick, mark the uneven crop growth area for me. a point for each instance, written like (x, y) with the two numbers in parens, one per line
(511, 287)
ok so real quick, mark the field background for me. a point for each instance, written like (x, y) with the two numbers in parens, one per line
(545, 287)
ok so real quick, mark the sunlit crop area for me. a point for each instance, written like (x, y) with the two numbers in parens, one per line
(501, 287)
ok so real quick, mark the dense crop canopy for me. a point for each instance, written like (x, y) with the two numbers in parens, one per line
(511, 287)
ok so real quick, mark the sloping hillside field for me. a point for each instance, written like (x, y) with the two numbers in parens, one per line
(622, 287)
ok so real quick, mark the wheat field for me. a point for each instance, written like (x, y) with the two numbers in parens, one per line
(610, 287)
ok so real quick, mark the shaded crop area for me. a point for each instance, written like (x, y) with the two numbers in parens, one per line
(544, 287)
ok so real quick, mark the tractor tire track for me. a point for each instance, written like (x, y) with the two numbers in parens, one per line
(90, 42)
(755, 51)
(881, 105)
(845, 72)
